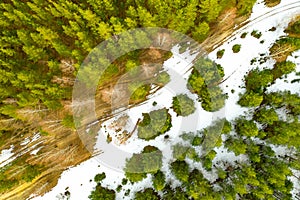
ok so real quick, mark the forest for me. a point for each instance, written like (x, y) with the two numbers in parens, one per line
(44, 43)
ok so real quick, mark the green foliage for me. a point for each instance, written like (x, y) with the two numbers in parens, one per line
(5, 185)
(9, 110)
(275, 99)
(193, 155)
(148, 161)
(119, 188)
(44, 133)
(174, 194)
(236, 145)
(212, 99)
(102, 193)
(199, 187)
(294, 28)
(258, 80)
(222, 174)
(201, 31)
(195, 82)
(250, 99)
(135, 177)
(183, 105)
(253, 152)
(246, 128)
(245, 6)
(179, 151)
(181, 170)
(272, 3)
(99, 177)
(209, 70)
(284, 133)
(266, 116)
(146, 194)
(236, 48)
(256, 34)
(43, 34)
(36, 36)
(54, 105)
(244, 35)
(159, 181)
(124, 181)
(155, 123)
(283, 68)
(212, 136)
(284, 99)
(188, 136)
(226, 127)
(220, 53)
(203, 80)
(206, 9)
(197, 141)
(132, 67)
(207, 160)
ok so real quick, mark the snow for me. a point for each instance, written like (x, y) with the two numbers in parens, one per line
(235, 66)
(5, 156)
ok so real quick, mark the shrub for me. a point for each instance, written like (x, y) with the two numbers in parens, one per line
(236, 48)
(99, 177)
(220, 53)
(256, 34)
(244, 35)
(102, 193)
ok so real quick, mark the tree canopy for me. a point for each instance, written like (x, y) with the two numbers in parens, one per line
(155, 123)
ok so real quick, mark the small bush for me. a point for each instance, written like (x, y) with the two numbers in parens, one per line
(99, 177)
(244, 35)
(220, 53)
(236, 48)
(256, 34)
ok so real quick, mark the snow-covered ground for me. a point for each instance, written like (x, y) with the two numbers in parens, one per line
(236, 65)
(6, 156)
